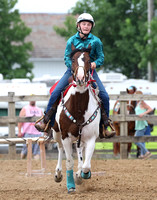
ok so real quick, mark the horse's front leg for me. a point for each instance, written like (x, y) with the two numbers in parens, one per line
(89, 150)
(58, 172)
(67, 143)
(78, 178)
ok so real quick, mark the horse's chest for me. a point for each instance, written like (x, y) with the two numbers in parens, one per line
(71, 117)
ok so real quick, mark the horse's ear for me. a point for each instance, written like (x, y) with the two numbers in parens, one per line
(72, 46)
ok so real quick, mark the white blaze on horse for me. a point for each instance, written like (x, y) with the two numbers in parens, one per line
(77, 119)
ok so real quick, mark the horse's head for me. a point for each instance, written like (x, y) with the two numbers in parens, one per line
(131, 107)
(81, 64)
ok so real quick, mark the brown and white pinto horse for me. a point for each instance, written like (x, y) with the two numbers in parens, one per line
(131, 125)
(77, 119)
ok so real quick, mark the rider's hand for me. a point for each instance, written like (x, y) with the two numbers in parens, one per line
(93, 65)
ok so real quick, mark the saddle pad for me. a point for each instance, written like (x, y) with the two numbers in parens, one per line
(53, 87)
(68, 87)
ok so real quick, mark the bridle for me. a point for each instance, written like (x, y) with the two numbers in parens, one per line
(75, 71)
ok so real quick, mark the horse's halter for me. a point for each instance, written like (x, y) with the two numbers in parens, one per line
(80, 74)
(85, 78)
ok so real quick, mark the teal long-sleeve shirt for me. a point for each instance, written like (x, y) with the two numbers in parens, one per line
(96, 54)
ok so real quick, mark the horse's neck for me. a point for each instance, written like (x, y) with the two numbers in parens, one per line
(134, 103)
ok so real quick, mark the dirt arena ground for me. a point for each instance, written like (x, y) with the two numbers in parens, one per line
(119, 180)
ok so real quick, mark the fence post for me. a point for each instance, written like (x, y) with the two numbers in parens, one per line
(29, 157)
(43, 155)
(123, 129)
(12, 125)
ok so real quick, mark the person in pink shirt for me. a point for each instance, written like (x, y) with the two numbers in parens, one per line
(27, 129)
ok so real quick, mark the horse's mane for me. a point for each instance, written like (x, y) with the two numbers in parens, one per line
(79, 50)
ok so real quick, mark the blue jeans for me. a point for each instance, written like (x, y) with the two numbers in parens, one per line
(35, 146)
(148, 130)
(141, 145)
(102, 93)
(64, 82)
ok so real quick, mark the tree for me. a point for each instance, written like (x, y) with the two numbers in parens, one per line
(69, 29)
(14, 51)
(122, 27)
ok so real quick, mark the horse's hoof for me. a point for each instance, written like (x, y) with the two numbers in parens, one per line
(71, 191)
(78, 179)
(58, 179)
(86, 175)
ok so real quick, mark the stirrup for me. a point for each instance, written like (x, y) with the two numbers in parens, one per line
(112, 132)
(39, 120)
(46, 127)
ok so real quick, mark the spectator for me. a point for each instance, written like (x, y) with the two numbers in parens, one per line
(27, 129)
(141, 126)
(130, 90)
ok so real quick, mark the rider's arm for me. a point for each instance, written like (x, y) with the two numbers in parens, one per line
(99, 53)
(145, 106)
(22, 114)
(67, 58)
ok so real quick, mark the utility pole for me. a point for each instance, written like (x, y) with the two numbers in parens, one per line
(150, 5)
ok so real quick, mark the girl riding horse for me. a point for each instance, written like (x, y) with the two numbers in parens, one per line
(81, 39)
(77, 119)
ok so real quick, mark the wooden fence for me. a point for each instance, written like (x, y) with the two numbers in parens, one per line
(11, 120)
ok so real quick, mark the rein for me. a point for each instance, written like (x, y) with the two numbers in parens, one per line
(87, 82)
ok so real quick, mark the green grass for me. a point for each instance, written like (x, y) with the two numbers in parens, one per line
(104, 145)
(109, 146)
